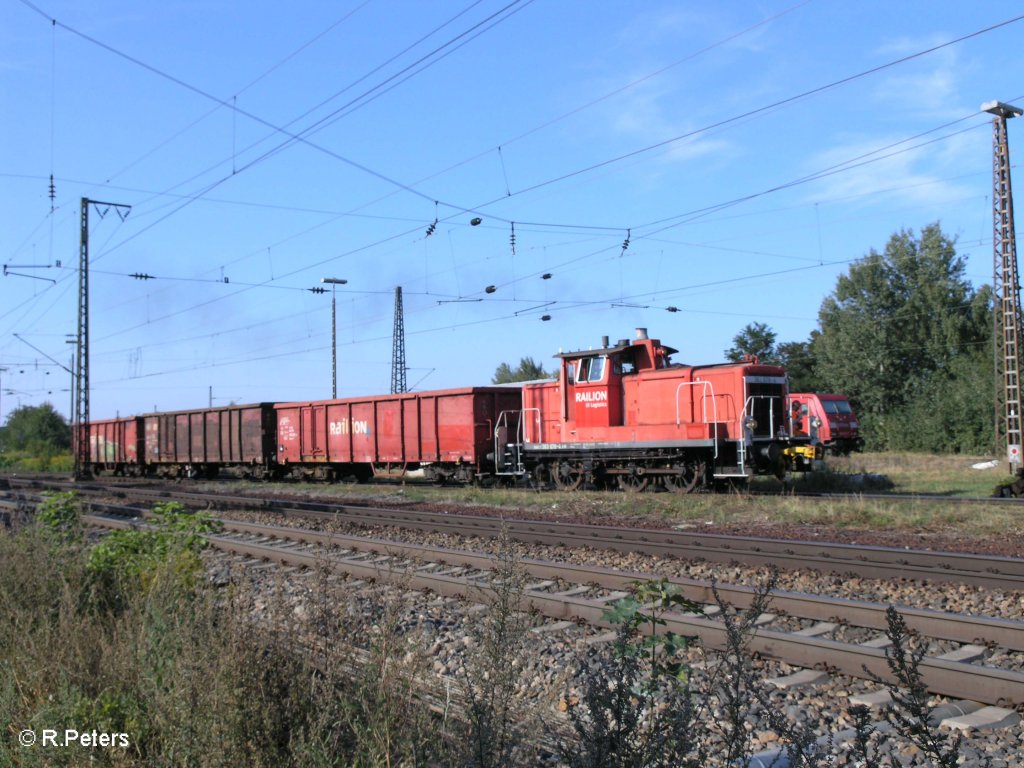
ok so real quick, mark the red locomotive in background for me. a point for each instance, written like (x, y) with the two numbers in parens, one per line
(622, 415)
(827, 419)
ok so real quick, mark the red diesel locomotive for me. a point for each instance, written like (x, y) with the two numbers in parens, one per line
(621, 415)
(626, 415)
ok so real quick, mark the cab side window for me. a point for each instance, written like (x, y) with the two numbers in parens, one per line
(591, 369)
(584, 370)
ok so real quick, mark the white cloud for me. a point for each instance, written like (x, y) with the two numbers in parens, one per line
(895, 174)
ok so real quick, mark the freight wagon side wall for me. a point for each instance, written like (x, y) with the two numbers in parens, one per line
(159, 439)
(238, 435)
(114, 441)
(218, 436)
(445, 426)
(182, 450)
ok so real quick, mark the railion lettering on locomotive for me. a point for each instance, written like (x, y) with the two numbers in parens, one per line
(598, 396)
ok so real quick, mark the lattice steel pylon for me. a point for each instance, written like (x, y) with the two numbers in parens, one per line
(398, 384)
(81, 384)
(1006, 292)
(83, 467)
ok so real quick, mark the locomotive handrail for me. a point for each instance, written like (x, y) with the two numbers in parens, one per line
(707, 385)
(519, 438)
(523, 421)
(749, 411)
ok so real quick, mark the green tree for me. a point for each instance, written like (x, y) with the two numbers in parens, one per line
(528, 370)
(36, 429)
(755, 339)
(797, 357)
(895, 330)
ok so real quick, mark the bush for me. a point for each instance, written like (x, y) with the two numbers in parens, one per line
(44, 461)
(636, 708)
(172, 536)
(59, 516)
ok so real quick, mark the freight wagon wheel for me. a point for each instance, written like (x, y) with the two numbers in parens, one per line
(633, 481)
(686, 478)
(567, 477)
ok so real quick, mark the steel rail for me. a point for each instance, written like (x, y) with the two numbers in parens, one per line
(980, 683)
(991, 572)
(961, 628)
(865, 561)
(895, 497)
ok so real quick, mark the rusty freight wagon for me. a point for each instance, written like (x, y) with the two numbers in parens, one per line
(439, 435)
(115, 445)
(625, 415)
(200, 443)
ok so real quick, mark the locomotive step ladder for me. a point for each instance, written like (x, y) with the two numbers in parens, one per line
(508, 444)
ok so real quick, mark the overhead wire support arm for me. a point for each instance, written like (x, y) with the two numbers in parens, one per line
(44, 354)
(9, 267)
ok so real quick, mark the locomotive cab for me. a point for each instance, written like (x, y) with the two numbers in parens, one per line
(592, 382)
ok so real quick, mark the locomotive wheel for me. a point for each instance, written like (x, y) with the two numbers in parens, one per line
(686, 478)
(567, 477)
(541, 477)
(633, 481)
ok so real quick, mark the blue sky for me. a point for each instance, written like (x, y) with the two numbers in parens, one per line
(743, 153)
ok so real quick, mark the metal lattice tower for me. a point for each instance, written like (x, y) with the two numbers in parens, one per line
(81, 382)
(398, 384)
(81, 386)
(1006, 292)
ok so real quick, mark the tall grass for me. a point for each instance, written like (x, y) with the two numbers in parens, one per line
(194, 676)
(255, 670)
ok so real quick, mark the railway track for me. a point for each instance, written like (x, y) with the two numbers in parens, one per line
(872, 562)
(565, 592)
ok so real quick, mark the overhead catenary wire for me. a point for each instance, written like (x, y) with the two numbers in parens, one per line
(291, 137)
(552, 225)
(598, 165)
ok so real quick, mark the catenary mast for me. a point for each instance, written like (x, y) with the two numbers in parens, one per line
(1006, 292)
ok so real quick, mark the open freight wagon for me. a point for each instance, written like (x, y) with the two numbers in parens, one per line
(440, 435)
